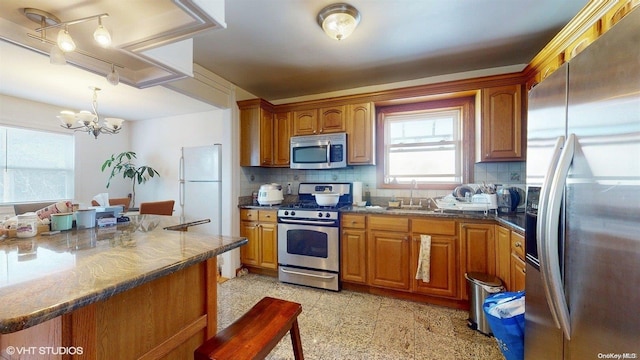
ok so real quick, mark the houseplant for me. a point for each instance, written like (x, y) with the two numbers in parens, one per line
(123, 164)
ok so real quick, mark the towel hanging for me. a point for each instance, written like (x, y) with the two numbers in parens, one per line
(424, 259)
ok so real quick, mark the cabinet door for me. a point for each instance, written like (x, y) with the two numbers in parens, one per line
(282, 124)
(477, 251)
(268, 245)
(389, 260)
(443, 267)
(249, 253)
(503, 254)
(266, 137)
(361, 136)
(501, 127)
(354, 254)
(332, 119)
(518, 273)
(305, 122)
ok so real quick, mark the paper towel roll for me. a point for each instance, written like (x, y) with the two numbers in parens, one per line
(357, 191)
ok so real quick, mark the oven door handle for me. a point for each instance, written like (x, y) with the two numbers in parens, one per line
(307, 222)
(325, 277)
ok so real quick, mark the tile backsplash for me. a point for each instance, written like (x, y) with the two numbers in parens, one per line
(253, 177)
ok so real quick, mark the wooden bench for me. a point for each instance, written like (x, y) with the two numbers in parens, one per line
(256, 333)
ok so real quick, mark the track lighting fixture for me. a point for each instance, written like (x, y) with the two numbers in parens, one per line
(113, 77)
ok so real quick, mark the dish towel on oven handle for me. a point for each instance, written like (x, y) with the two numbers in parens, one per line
(424, 259)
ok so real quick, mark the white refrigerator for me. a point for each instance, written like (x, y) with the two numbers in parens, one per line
(200, 187)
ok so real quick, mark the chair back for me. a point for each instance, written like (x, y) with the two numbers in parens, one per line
(157, 207)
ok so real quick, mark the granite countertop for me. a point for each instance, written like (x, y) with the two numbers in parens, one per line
(513, 221)
(46, 276)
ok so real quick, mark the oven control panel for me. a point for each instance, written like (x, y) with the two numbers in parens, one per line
(307, 214)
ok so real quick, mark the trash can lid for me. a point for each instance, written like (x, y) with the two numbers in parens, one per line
(483, 279)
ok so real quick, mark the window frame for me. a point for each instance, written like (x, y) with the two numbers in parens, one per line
(467, 106)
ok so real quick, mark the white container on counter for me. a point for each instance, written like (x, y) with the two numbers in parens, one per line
(27, 226)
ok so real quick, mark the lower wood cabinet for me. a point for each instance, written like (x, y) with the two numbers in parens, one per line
(510, 265)
(477, 251)
(389, 252)
(353, 243)
(443, 273)
(260, 227)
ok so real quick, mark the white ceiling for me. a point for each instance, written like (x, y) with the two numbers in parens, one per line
(274, 49)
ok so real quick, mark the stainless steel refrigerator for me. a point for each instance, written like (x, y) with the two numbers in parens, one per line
(583, 204)
(201, 186)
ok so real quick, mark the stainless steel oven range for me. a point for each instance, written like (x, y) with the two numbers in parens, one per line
(309, 237)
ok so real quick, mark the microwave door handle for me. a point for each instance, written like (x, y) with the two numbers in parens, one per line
(553, 221)
(329, 153)
(541, 225)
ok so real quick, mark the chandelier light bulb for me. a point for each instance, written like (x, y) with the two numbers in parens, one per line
(101, 35)
(65, 41)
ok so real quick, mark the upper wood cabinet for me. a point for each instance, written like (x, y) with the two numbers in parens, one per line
(256, 133)
(361, 134)
(500, 136)
(319, 121)
(264, 135)
(282, 128)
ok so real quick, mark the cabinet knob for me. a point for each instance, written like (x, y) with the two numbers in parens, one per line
(524, 271)
(518, 244)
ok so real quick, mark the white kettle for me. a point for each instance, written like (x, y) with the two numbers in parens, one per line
(270, 194)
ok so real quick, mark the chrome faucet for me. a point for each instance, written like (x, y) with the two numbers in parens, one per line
(414, 185)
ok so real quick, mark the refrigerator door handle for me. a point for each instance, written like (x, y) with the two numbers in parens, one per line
(553, 221)
(541, 226)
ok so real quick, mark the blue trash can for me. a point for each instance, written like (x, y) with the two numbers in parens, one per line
(505, 315)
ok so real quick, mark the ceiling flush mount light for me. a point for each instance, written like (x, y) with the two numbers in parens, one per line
(90, 121)
(338, 20)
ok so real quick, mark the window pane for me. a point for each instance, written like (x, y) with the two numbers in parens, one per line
(424, 146)
(37, 165)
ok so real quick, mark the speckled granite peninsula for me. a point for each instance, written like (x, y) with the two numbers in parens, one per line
(112, 292)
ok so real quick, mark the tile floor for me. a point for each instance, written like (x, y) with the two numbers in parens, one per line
(352, 325)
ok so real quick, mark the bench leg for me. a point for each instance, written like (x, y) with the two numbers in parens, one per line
(295, 341)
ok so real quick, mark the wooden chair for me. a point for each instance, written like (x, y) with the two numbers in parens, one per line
(256, 333)
(157, 207)
(115, 202)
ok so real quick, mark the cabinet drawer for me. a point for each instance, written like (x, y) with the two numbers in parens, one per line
(353, 221)
(433, 227)
(517, 244)
(249, 214)
(267, 215)
(388, 223)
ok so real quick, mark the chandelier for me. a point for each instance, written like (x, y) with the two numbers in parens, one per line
(90, 121)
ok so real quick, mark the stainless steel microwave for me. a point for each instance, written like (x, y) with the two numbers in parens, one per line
(328, 151)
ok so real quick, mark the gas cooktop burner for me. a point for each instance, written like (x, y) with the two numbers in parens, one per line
(311, 206)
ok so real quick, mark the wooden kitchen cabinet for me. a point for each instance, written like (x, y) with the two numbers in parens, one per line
(443, 271)
(360, 134)
(260, 227)
(477, 251)
(501, 132)
(388, 247)
(353, 243)
(282, 128)
(503, 255)
(319, 121)
(256, 133)
(518, 268)
(305, 122)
